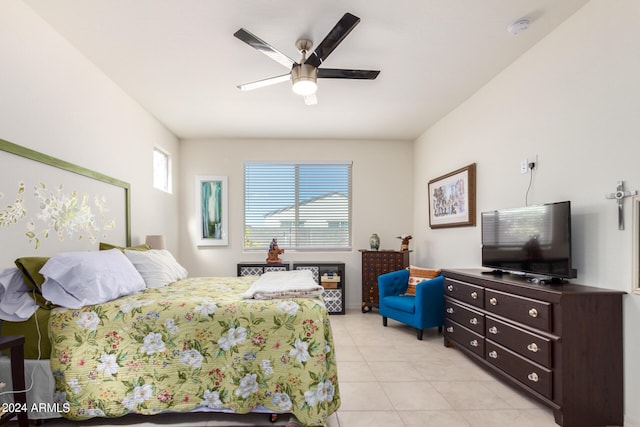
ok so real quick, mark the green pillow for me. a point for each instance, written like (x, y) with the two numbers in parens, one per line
(107, 246)
(30, 331)
(30, 268)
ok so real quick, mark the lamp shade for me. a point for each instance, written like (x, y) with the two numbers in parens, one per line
(157, 241)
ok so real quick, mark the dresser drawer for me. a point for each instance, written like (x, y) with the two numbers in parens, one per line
(472, 319)
(465, 337)
(531, 346)
(531, 374)
(471, 294)
(524, 310)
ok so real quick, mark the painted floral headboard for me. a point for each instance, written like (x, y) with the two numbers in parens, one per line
(48, 205)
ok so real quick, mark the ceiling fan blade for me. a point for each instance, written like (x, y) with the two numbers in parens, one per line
(264, 47)
(265, 82)
(335, 73)
(311, 99)
(333, 39)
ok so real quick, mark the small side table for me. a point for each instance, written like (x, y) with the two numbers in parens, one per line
(375, 263)
(16, 344)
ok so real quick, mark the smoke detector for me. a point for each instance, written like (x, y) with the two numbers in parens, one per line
(518, 26)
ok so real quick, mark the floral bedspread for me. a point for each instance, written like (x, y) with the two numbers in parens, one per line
(194, 344)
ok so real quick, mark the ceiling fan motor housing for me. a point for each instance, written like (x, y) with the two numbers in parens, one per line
(304, 46)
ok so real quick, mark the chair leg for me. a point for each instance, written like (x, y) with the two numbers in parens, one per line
(420, 334)
(440, 329)
(384, 321)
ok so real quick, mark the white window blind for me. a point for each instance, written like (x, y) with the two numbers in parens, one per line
(304, 206)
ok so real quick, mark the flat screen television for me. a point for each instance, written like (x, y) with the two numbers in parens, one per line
(531, 239)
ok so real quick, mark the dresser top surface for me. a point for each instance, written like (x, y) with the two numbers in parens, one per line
(487, 278)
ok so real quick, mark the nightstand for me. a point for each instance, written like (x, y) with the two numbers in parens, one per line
(16, 343)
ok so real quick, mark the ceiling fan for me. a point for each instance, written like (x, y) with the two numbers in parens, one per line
(304, 74)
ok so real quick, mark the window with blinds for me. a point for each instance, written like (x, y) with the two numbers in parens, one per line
(305, 206)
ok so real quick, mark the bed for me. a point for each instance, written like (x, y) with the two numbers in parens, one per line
(123, 330)
(195, 344)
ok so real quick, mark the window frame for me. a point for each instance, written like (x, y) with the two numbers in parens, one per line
(168, 173)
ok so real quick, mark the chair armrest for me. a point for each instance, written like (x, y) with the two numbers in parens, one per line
(430, 297)
(394, 283)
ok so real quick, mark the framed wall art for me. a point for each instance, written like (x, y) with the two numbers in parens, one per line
(452, 199)
(212, 210)
(635, 253)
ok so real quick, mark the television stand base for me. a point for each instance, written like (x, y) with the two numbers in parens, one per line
(548, 280)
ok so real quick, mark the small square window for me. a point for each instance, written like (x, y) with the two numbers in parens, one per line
(161, 170)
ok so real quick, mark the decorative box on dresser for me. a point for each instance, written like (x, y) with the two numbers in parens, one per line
(375, 263)
(330, 275)
(561, 344)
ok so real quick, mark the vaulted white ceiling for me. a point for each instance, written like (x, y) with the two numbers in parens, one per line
(180, 60)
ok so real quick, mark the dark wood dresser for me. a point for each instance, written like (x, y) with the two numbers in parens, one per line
(561, 344)
(375, 263)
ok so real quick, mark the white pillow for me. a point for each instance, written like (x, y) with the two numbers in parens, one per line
(76, 279)
(16, 304)
(157, 266)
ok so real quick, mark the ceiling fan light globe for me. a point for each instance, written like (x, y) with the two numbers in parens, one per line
(304, 77)
(305, 87)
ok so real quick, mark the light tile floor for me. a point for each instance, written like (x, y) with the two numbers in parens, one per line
(390, 379)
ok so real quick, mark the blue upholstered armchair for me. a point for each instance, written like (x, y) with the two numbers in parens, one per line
(424, 310)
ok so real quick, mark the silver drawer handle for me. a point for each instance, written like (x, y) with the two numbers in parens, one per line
(450, 329)
(473, 321)
(533, 312)
(449, 310)
(473, 343)
(533, 377)
(533, 347)
(450, 288)
(493, 301)
(474, 295)
(493, 330)
(493, 354)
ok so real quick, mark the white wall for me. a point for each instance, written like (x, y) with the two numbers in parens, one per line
(382, 198)
(53, 100)
(572, 100)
